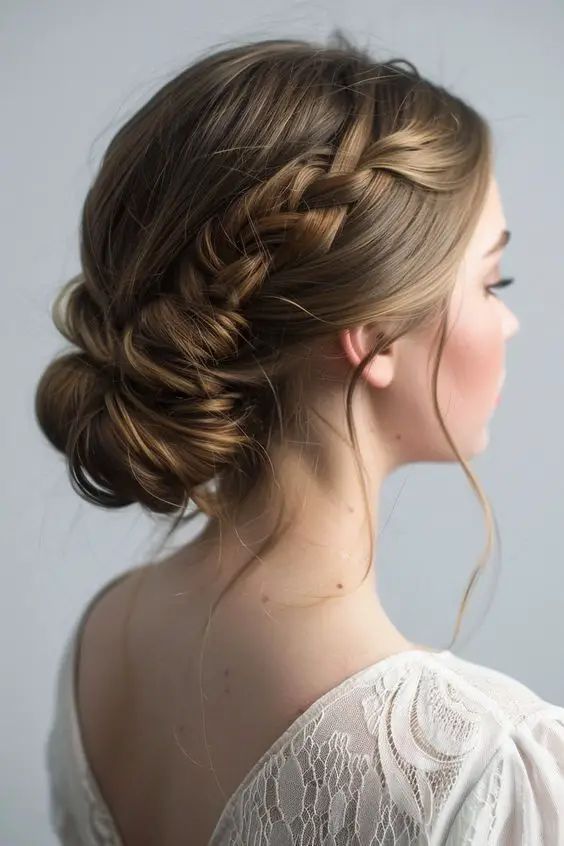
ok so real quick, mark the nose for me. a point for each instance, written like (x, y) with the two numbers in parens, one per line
(511, 324)
(516, 325)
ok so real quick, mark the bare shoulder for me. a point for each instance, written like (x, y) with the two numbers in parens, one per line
(108, 607)
(101, 656)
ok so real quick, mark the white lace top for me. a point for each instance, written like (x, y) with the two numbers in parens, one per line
(419, 748)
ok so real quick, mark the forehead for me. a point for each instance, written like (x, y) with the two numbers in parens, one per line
(490, 223)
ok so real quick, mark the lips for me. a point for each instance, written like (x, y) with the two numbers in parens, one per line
(497, 399)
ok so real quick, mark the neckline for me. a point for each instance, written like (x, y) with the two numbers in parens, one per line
(371, 671)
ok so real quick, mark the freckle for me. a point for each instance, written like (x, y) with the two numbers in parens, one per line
(300, 711)
(226, 689)
(264, 597)
(398, 437)
(226, 671)
(339, 585)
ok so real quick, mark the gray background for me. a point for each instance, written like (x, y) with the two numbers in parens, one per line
(71, 73)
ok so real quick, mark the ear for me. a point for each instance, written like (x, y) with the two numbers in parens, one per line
(357, 342)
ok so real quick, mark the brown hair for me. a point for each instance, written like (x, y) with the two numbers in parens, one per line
(265, 198)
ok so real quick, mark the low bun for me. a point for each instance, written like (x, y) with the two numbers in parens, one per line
(134, 425)
(60, 396)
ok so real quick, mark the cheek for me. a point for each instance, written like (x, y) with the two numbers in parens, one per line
(474, 361)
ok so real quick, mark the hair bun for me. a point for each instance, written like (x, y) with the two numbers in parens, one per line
(126, 442)
(70, 408)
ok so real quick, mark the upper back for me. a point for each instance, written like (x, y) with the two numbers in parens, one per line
(140, 709)
(293, 745)
(140, 706)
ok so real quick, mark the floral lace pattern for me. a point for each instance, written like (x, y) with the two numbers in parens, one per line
(391, 759)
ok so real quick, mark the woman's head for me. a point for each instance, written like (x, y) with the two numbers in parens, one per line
(264, 205)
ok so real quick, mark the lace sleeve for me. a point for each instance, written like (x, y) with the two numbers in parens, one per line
(519, 798)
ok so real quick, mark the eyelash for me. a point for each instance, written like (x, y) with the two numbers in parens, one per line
(501, 284)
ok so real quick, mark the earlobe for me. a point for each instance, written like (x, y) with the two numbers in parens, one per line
(357, 343)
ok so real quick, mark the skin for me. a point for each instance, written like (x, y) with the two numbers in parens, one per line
(326, 548)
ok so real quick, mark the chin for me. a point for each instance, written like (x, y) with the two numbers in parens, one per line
(469, 446)
(480, 444)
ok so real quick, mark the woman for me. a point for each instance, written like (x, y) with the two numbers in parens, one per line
(289, 258)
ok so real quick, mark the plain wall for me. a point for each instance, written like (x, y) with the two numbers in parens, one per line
(72, 72)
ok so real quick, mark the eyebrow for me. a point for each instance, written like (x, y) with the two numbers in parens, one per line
(501, 242)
